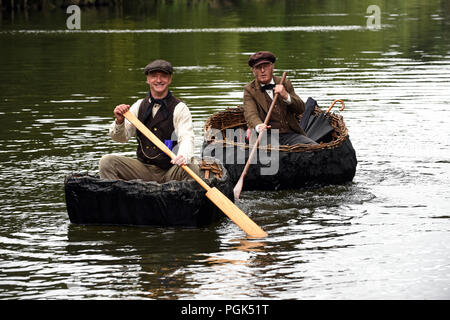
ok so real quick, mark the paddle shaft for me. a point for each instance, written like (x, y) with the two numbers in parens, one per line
(239, 184)
(213, 194)
(155, 140)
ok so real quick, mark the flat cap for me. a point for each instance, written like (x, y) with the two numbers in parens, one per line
(261, 57)
(159, 65)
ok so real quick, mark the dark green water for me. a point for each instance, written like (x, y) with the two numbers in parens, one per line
(384, 236)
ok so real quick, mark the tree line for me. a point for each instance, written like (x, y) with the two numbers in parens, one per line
(50, 4)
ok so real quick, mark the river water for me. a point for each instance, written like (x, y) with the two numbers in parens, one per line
(383, 236)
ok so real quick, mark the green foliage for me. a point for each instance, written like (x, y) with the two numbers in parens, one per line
(50, 4)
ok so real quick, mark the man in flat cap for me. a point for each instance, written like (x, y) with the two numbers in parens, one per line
(168, 118)
(258, 96)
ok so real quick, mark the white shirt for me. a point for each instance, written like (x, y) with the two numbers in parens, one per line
(182, 122)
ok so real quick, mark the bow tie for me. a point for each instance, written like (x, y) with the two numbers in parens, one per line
(266, 87)
(161, 102)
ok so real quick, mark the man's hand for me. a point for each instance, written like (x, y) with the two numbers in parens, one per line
(281, 90)
(179, 160)
(262, 127)
(119, 111)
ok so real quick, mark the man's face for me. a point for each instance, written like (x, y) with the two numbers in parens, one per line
(263, 72)
(159, 82)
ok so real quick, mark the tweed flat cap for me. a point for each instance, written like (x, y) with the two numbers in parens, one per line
(159, 65)
(261, 57)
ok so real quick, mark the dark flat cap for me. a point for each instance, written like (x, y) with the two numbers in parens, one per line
(261, 57)
(159, 65)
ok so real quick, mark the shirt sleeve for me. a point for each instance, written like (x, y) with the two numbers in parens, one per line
(288, 100)
(124, 131)
(182, 122)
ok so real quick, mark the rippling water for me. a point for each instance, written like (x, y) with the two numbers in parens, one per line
(384, 236)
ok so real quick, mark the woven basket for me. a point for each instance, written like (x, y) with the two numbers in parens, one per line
(209, 166)
(233, 118)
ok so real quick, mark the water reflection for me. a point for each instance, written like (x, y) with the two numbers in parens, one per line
(233, 245)
(136, 255)
(201, 30)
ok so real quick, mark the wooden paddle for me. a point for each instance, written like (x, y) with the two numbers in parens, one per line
(238, 187)
(214, 194)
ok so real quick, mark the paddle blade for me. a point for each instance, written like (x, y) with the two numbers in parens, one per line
(237, 189)
(235, 214)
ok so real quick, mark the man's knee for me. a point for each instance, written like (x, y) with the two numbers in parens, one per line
(108, 166)
(106, 161)
(179, 174)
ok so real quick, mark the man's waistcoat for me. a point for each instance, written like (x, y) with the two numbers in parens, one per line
(278, 117)
(161, 126)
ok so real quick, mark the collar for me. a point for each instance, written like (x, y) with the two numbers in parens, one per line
(263, 84)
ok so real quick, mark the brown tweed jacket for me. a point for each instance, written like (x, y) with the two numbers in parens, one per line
(256, 106)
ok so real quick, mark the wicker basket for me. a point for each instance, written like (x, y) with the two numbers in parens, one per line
(233, 118)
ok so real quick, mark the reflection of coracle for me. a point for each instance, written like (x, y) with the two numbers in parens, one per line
(145, 260)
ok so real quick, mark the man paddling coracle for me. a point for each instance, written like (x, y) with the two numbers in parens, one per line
(258, 96)
(168, 118)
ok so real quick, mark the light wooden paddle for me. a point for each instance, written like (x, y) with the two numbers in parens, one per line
(238, 187)
(214, 194)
